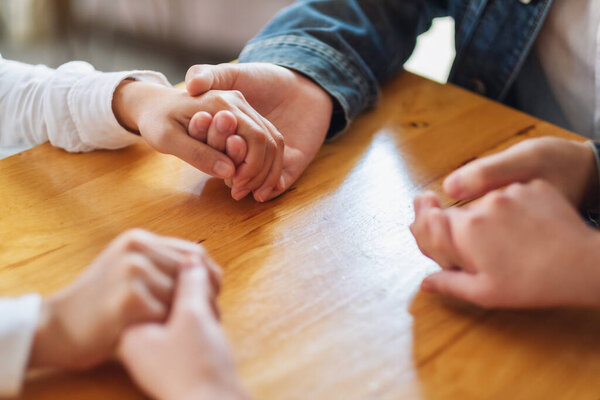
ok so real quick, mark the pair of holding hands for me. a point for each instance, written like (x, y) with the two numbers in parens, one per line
(142, 292)
(244, 123)
(523, 244)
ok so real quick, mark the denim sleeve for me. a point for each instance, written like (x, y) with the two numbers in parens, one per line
(348, 47)
(595, 208)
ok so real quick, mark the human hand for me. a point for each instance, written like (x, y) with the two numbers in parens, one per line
(131, 281)
(299, 108)
(162, 116)
(191, 346)
(521, 247)
(570, 166)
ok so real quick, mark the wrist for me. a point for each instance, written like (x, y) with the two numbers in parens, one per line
(126, 104)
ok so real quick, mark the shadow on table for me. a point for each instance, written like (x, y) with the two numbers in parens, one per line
(108, 381)
(461, 351)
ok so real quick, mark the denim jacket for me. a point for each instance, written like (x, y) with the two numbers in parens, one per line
(350, 47)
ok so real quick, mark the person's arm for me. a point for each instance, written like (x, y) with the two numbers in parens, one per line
(348, 47)
(130, 282)
(191, 345)
(18, 321)
(71, 106)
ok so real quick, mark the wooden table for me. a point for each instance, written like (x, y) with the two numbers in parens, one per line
(321, 285)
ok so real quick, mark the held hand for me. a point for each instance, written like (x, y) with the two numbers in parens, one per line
(299, 108)
(162, 116)
(190, 346)
(132, 281)
(521, 247)
(570, 166)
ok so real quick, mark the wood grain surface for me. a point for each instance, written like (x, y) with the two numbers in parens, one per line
(320, 299)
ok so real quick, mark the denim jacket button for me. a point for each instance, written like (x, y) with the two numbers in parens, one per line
(477, 86)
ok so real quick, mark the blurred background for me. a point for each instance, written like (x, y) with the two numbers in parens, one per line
(163, 35)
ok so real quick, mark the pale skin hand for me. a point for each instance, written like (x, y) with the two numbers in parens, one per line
(570, 166)
(299, 108)
(521, 247)
(130, 282)
(162, 116)
(189, 357)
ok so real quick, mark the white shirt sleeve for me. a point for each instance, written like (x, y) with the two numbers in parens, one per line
(18, 321)
(71, 106)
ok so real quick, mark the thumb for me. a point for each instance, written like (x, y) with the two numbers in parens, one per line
(193, 291)
(489, 173)
(453, 283)
(202, 78)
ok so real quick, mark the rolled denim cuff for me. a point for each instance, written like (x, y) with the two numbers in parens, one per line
(596, 148)
(351, 88)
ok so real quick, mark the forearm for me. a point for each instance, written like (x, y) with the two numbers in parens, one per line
(71, 106)
(347, 47)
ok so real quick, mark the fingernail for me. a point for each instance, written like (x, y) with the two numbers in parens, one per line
(262, 195)
(223, 169)
(239, 194)
(223, 125)
(426, 286)
(281, 183)
(454, 183)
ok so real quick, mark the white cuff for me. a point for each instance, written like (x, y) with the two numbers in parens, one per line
(90, 104)
(18, 321)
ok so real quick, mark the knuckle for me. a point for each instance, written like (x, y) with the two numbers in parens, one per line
(135, 266)
(132, 238)
(259, 137)
(473, 221)
(279, 140)
(499, 199)
(540, 184)
(133, 301)
(237, 94)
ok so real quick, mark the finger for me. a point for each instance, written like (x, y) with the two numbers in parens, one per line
(188, 249)
(224, 126)
(272, 180)
(193, 290)
(259, 179)
(457, 284)
(146, 307)
(159, 284)
(433, 234)
(199, 125)
(202, 78)
(236, 149)
(257, 162)
(288, 177)
(252, 174)
(166, 259)
(199, 155)
(440, 243)
(426, 199)
(489, 173)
